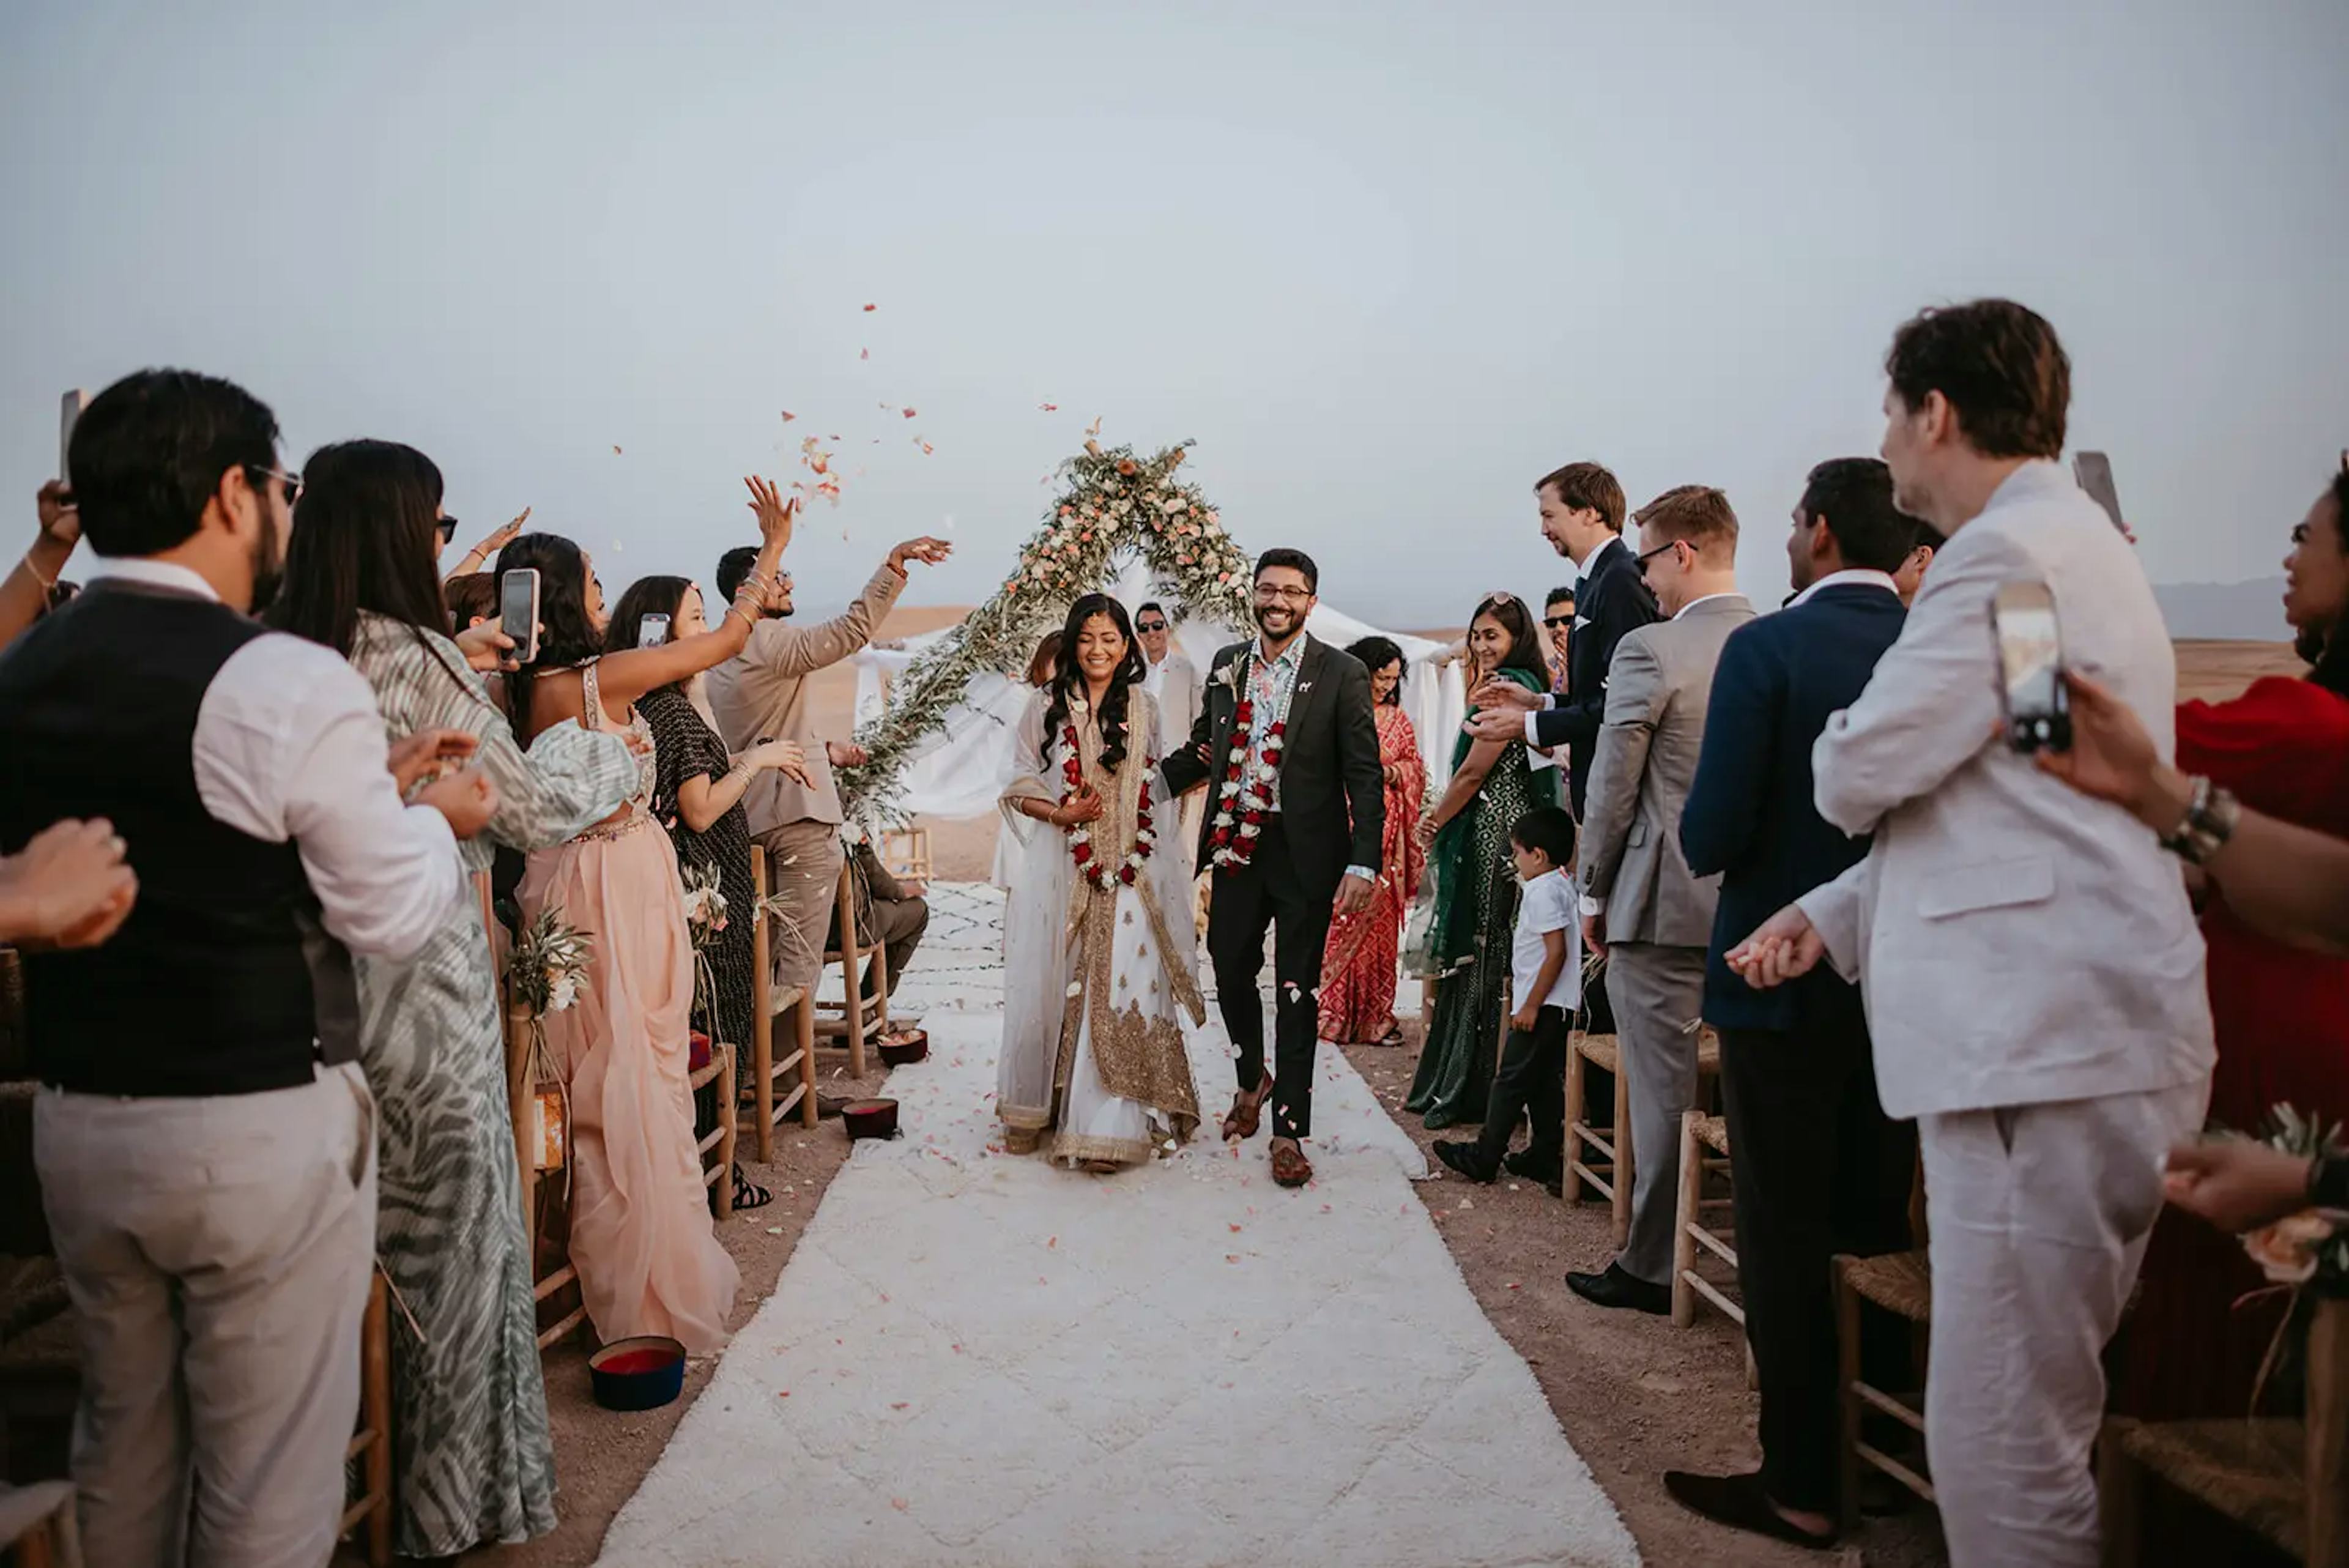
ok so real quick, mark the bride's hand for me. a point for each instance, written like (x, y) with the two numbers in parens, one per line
(1081, 807)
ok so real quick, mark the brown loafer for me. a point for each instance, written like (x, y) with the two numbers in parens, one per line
(1290, 1165)
(1247, 1112)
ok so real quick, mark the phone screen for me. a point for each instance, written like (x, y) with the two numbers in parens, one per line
(2031, 667)
(652, 630)
(2094, 471)
(518, 611)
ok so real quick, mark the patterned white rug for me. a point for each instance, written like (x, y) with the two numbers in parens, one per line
(972, 1359)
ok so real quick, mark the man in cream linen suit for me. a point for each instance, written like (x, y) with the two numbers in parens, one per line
(1640, 900)
(2033, 973)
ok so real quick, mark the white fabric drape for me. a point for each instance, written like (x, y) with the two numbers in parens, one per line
(1042, 950)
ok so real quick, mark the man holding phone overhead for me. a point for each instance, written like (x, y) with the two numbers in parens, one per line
(760, 694)
(2030, 968)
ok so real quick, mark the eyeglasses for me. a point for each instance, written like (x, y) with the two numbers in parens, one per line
(1641, 560)
(1554, 622)
(288, 484)
(1150, 626)
(447, 528)
(1291, 596)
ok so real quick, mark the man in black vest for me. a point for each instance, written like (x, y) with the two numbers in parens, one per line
(205, 1138)
(1582, 517)
(1289, 749)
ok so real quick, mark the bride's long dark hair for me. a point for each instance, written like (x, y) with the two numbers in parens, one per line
(1068, 681)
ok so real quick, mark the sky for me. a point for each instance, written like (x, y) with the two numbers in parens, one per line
(1386, 263)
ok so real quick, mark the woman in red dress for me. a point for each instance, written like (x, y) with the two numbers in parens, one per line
(2281, 1014)
(1358, 965)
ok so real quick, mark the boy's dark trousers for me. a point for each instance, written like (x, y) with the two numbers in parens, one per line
(1532, 1079)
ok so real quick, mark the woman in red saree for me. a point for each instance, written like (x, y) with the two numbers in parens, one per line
(2281, 1014)
(1359, 966)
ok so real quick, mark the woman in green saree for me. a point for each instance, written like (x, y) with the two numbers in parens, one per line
(1493, 784)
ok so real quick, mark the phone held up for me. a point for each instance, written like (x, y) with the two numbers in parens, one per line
(652, 630)
(2030, 688)
(70, 415)
(518, 612)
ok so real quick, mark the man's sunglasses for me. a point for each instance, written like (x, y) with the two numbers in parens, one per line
(1554, 622)
(1150, 626)
(288, 484)
(447, 528)
(1647, 555)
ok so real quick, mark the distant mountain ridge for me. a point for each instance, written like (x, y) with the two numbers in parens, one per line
(2250, 611)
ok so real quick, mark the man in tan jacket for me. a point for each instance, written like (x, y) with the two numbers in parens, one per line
(760, 694)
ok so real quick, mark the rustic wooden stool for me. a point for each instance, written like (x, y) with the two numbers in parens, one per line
(1900, 1284)
(770, 1003)
(1704, 1150)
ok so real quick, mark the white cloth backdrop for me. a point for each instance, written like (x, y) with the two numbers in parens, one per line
(961, 768)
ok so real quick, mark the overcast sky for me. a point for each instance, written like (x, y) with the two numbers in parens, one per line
(1386, 262)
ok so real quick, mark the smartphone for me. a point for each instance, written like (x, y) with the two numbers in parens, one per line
(652, 630)
(2030, 687)
(2094, 471)
(70, 415)
(518, 612)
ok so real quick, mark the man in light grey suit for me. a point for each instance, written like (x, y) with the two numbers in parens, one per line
(2033, 973)
(1640, 904)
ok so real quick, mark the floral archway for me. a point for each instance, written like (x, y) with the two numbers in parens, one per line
(1112, 502)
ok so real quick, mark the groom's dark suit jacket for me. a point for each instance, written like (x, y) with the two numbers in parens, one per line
(1331, 790)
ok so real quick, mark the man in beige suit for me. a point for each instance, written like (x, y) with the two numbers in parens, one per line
(2031, 970)
(760, 694)
(1640, 904)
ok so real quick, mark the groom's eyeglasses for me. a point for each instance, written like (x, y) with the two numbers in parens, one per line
(1150, 626)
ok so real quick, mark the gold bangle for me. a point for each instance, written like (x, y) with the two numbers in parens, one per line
(48, 586)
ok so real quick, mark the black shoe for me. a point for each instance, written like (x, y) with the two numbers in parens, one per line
(1465, 1158)
(1550, 1173)
(1617, 1289)
(1739, 1502)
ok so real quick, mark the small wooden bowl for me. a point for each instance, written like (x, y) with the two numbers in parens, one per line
(902, 1047)
(870, 1118)
(640, 1374)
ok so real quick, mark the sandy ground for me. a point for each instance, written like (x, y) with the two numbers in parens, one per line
(1635, 1395)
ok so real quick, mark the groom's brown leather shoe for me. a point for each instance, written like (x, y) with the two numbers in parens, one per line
(1290, 1165)
(1248, 1111)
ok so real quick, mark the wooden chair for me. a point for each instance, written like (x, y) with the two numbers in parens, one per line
(1704, 1150)
(39, 1526)
(907, 852)
(371, 1444)
(770, 1003)
(852, 1019)
(2286, 1481)
(1900, 1284)
(717, 1176)
(1615, 1180)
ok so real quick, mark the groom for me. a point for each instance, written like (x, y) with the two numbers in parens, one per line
(1296, 812)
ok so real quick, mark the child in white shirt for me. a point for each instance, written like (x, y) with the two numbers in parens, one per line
(1546, 972)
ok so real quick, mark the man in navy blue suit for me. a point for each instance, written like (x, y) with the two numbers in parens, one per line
(1816, 1168)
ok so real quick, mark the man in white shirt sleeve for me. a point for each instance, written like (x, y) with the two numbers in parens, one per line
(2031, 972)
(204, 1138)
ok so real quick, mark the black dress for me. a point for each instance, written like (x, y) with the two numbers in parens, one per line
(688, 748)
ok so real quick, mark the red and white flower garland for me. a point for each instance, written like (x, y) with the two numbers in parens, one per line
(1080, 842)
(1245, 796)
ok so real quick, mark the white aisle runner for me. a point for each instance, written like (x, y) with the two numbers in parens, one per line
(972, 1359)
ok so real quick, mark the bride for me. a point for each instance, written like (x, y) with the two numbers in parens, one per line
(1094, 1069)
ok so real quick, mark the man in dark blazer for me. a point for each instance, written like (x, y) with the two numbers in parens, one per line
(1582, 517)
(1816, 1167)
(1292, 835)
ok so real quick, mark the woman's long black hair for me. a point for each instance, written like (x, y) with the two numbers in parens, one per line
(2327, 647)
(1068, 681)
(364, 539)
(1376, 653)
(646, 595)
(567, 637)
(1525, 643)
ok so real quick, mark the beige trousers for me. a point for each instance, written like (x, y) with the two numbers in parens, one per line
(803, 861)
(217, 1252)
(2038, 1216)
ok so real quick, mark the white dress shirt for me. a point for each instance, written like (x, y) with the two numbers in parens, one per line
(1850, 576)
(289, 745)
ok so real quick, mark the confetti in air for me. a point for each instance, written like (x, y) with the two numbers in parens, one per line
(871, 309)
(908, 412)
(615, 451)
(1094, 429)
(788, 416)
(1049, 408)
(864, 353)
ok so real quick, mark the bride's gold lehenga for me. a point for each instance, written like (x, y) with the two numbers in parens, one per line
(1095, 1069)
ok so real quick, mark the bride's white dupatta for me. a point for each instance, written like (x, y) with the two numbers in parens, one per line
(1053, 919)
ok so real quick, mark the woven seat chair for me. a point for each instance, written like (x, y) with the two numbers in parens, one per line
(1615, 1179)
(852, 1019)
(1705, 1151)
(716, 1174)
(1900, 1284)
(770, 1002)
(2286, 1481)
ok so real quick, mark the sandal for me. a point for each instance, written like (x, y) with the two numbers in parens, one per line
(749, 1194)
(1393, 1036)
(1290, 1165)
(1246, 1112)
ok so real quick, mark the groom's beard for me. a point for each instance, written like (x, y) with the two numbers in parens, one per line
(268, 567)
(1278, 622)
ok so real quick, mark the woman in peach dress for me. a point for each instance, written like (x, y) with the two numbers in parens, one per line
(640, 1228)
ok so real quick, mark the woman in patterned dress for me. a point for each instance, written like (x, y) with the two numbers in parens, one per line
(1467, 837)
(649, 1262)
(697, 795)
(474, 1462)
(1358, 965)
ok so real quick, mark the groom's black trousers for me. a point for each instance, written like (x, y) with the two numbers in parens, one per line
(1265, 894)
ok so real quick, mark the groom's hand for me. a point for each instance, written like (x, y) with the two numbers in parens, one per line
(1353, 895)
